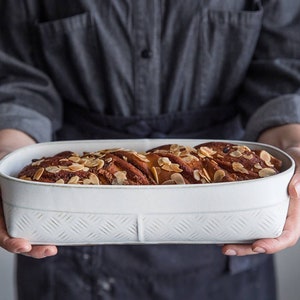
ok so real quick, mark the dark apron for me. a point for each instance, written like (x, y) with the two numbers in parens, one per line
(141, 272)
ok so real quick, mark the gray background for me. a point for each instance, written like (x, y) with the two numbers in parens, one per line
(287, 264)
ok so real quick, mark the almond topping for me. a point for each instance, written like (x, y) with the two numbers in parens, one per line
(248, 156)
(53, 169)
(258, 166)
(205, 175)
(94, 179)
(206, 151)
(163, 161)
(74, 158)
(38, 174)
(120, 177)
(238, 167)
(60, 181)
(242, 148)
(24, 177)
(265, 172)
(141, 157)
(196, 174)
(75, 167)
(93, 162)
(219, 175)
(178, 178)
(169, 182)
(73, 180)
(155, 175)
(266, 157)
(236, 153)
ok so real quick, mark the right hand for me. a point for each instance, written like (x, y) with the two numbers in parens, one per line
(11, 139)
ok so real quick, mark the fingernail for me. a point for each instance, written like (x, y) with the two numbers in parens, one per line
(230, 252)
(297, 189)
(259, 250)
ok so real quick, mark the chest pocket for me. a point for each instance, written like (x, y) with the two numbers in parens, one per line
(227, 40)
(69, 54)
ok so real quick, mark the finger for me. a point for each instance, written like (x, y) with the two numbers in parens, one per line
(288, 238)
(41, 251)
(291, 230)
(238, 250)
(11, 244)
(19, 245)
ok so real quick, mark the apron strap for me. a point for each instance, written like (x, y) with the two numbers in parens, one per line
(217, 122)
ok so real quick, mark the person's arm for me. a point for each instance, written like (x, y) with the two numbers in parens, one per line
(270, 93)
(11, 139)
(29, 100)
(30, 106)
(286, 137)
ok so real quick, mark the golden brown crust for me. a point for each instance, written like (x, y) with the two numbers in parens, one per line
(167, 164)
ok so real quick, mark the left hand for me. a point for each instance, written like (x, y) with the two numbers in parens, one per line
(291, 230)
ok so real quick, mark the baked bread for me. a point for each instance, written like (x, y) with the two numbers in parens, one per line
(168, 164)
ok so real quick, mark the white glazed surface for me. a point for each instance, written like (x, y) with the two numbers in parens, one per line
(205, 213)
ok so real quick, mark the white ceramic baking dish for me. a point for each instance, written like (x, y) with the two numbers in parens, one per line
(236, 212)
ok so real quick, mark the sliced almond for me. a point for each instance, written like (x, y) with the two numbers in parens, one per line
(93, 162)
(75, 167)
(60, 181)
(196, 174)
(120, 177)
(162, 161)
(100, 164)
(248, 156)
(74, 180)
(154, 173)
(53, 169)
(108, 160)
(94, 179)
(258, 166)
(205, 175)
(141, 157)
(169, 182)
(265, 172)
(242, 148)
(238, 167)
(175, 148)
(178, 178)
(74, 159)
(206, 151)
(236, 153)
(38, 174)
(189, 158)
(24, 177)
(266, 157)
(219, 175)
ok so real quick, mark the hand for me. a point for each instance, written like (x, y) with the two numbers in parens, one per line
(10, 140)
(22, 246)
(291, 230)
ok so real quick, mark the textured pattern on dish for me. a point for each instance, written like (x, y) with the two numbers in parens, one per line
(65, 227)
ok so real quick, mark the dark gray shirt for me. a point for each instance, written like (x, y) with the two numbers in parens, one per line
(203, 62)
(150, 68)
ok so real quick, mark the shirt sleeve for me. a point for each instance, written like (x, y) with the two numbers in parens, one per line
(28, 100)
(270, 95)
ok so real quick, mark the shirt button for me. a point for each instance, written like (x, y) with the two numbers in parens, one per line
(146, 53)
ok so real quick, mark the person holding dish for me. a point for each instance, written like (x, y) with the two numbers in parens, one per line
(151, 69)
